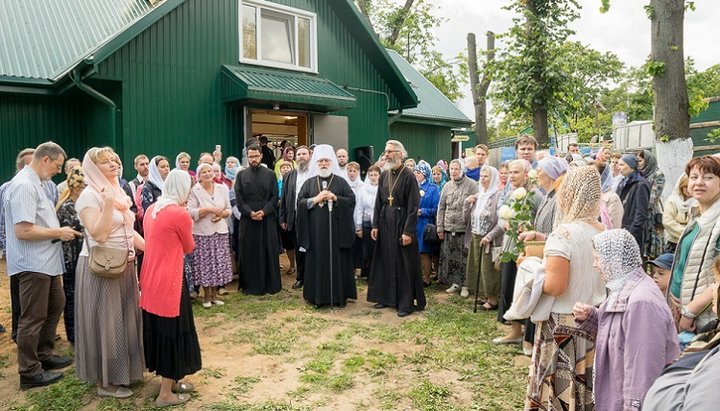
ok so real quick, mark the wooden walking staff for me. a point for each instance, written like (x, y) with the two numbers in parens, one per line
(477, 280)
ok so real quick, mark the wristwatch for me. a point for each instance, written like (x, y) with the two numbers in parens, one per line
(686, 313)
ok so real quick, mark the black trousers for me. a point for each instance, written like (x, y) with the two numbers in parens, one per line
(508, 272)
(15, 304)
(300, 264)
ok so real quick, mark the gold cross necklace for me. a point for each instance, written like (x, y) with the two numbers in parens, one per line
(392, 187)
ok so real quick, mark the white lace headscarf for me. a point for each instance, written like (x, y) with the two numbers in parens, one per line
(579, 195)
(619, 257)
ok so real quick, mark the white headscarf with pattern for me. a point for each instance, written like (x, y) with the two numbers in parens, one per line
(619, 257)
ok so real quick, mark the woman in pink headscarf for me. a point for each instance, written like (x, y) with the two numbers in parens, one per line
(108, 321)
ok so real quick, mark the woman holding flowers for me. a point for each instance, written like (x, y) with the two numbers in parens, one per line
(515, 216)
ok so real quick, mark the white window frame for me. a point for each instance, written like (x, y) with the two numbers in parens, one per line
(292, 12)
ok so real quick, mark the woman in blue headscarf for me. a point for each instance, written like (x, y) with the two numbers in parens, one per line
(429, 198)
(439, 177)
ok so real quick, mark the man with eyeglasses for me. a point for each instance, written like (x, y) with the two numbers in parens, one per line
(394, 279)
(35, 258)
(256, 193)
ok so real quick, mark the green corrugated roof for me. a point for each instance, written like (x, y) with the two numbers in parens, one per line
(243, 83)
(43, 40)
(433, 105)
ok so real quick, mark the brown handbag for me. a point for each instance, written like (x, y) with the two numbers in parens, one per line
(106, 262)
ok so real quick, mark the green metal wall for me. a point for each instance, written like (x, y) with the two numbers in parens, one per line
(171, 85)
(426, 142)
(26, 121)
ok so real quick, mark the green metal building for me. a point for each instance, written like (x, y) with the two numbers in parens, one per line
(429, 128)
(160, 77)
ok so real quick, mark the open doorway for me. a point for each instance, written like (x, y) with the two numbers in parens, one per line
(279, 126)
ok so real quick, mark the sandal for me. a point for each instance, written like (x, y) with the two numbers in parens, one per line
(183, 387)
(489, 306)
(179, 399)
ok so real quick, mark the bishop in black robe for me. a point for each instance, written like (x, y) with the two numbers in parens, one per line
(329, 273)
(395, 278)
(255, 190)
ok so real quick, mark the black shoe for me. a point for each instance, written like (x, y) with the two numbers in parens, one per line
(402, 314)
(298, 284)
(40, 380)
(2, 328)
(56, 362)
(379, 306)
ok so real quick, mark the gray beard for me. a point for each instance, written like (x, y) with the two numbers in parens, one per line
(324, 173)
(391, 165)
(303, 167)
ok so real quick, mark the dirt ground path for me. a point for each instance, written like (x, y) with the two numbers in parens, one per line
(276, 352)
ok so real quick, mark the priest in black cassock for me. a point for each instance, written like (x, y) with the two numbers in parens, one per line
(256, 192)
(326, 202)
(395, 278)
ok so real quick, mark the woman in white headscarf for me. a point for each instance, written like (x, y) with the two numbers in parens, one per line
(480, 215)
(108, 322)
(171, 344)
(152, 188)
(562, 361)
(677, 212)
(636, 336)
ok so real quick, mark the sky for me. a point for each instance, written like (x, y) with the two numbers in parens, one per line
(623, 30)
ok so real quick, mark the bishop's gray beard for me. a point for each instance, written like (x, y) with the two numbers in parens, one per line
(324, 172)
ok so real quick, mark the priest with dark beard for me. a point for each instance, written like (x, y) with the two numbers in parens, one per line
(256, 191)
(395, 278)
(326, 231)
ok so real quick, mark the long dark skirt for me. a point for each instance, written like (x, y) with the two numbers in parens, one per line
(171, 345)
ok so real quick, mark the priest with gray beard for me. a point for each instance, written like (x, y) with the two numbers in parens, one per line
(395, 278)
(326, 229)
(292, 182)
(256, 192)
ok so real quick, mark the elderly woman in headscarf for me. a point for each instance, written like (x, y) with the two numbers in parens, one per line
(654, 236)
(171, 344)
(562, 362)
(480, 215)
(549, 170)
(611, 208)
(68, 217)
(517, 178)
(634, 192)
(108, 322)
(152, 188)
(635, 332)
(232, 166)
(451, 228)
(429, 198)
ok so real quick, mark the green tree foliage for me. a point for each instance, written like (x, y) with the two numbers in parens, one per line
(529, 73)
(408, 27)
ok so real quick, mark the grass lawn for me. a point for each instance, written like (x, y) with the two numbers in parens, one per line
(277, 353)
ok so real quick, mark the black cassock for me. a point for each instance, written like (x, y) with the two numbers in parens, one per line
(395, 278)
(313, 228)
(256, 189)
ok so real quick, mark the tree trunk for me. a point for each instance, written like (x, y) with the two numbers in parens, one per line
(540, 124)
(672, 121)
(399, 22)
(364, 6)
(480, 88)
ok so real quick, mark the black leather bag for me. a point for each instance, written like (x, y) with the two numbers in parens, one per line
(429, 234)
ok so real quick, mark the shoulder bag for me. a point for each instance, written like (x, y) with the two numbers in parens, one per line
(106, 262)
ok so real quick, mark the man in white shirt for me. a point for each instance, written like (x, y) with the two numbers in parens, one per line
(142, 166)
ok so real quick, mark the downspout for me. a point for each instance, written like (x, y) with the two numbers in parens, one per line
(392, 118)
(76, 77)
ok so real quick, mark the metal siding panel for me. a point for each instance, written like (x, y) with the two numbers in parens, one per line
(430, 143)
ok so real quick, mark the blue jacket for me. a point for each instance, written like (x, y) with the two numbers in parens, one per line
(429, 199)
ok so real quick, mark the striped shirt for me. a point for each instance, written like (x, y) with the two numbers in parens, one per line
(28, 200)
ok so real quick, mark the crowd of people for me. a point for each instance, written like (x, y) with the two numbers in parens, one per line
(623, 279)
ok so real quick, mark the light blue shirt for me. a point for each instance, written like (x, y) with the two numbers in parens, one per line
(27, 200)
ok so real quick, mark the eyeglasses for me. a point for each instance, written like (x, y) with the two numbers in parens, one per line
(390, 151)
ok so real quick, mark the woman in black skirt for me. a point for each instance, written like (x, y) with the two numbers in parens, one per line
(171, 344)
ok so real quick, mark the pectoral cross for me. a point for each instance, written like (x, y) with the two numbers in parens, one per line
(390, 199)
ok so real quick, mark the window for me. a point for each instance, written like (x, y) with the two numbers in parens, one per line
(277, 36)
